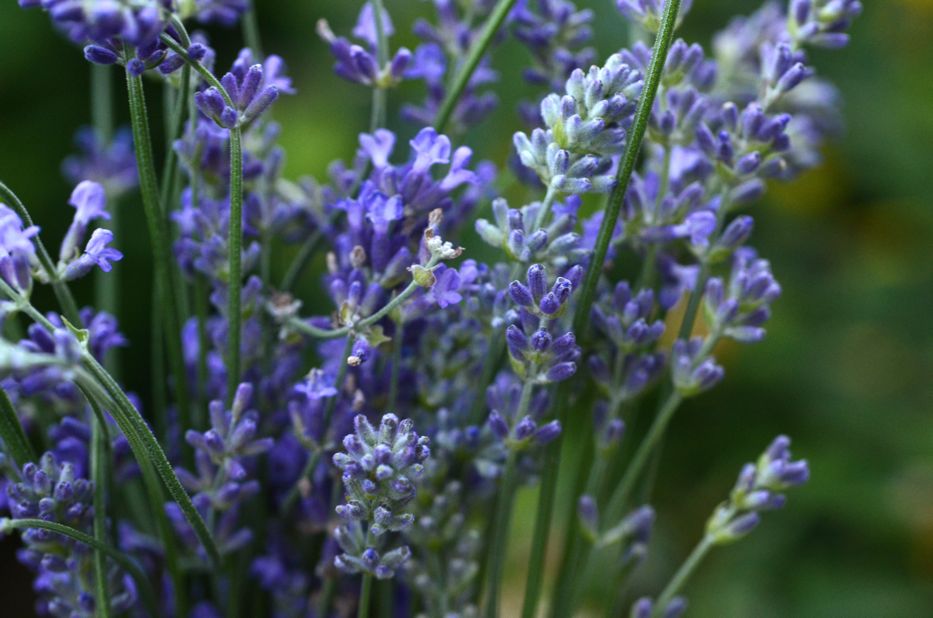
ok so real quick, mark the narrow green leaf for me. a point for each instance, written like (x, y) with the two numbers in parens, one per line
(142, 582)
(145, 446)
(12, 434)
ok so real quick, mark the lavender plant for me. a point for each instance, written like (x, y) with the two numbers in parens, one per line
(283, 496)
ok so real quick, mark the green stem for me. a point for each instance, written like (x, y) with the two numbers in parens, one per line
(144, 444)
(319, 333)
(12, 436)
(301, 261)
(683, 574)
(234, 256)
(106, 285)
(620, 496)
(251, 29)
(396, 363)
(490, 28)
(114, 554)
(366, 589)
(99, 458)
(148, 184)
(498, 543)
(200, 311)
(582, 314)
(378, 118)
(662, 44)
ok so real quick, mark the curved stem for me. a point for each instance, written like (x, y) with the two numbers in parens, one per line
(490, 28)
(114, 554)
(320, 333)
(234, 257)
(682, 575)
(498, 543)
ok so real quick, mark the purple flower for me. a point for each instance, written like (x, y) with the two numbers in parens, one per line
(251, 87)
(741, 310)
(693, 370)
(446, 289)
(360, 64)
(17, 252)
(96, 253)
(758, 489)
(223, 12)
(112, 165)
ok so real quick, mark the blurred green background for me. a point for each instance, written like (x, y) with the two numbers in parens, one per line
(847, 368)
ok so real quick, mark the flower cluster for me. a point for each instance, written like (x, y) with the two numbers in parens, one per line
(380, 468)
(53, 491)
(583, 128)
(221, 480)
(758, 489)
(361, 64)
(351, 293)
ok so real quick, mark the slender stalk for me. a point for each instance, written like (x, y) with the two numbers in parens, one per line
(319, 333)
(106, 285)
(498, 542)
(307, 251)
(396, 363)
(573, 555)
(662, 44)
(581, 316)
(682, 575)
(113, 553)
(366, 589)
(200, 311)
(160, 246)
(12, 436)
(251, 29)
(490, 28)
(620, 496)
(378, 118)
(99, 458)
(144, 443)
(235, 267)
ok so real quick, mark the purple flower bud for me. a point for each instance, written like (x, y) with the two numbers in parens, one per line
(561, 372)
(547, 433)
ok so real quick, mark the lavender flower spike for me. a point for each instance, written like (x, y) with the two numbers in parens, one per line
(759, 488)
(380, 468)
